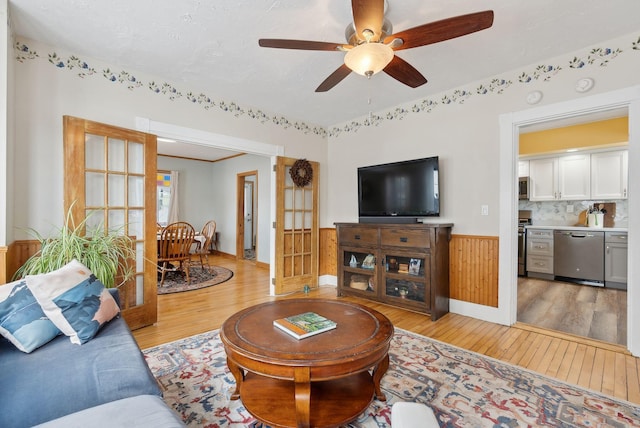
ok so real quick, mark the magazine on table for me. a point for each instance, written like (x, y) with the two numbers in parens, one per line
(304, 325)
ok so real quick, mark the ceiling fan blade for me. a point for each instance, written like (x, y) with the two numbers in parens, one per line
(446, 29)
(404, 72)
(334, 78)
(368, 15)
(300, 44)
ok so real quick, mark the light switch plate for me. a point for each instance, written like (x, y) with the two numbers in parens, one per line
(484, 209)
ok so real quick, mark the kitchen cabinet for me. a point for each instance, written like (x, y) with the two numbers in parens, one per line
(402, 265)
(574, 177)
(599, 175)
(543, 179)
(615, 260)
(609, 175)
(539, 253)
(523, 168)
(560, 178)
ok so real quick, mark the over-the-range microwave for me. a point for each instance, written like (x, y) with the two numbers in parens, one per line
(523, 188)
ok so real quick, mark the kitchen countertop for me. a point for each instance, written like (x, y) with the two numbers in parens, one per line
(581, 228)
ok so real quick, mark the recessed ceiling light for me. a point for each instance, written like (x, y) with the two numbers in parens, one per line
(534, 97)
(584, 85)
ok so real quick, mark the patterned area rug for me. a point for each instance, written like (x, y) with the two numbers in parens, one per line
(463, 388)
(175, 282)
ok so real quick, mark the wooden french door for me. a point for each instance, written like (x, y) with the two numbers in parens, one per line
(110, 174)
(296, 229)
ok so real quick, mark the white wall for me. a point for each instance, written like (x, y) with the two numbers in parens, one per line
(195, 180)
(225, 199)
(6, 117)
(45, 93)
(465, 135)
(461, 140)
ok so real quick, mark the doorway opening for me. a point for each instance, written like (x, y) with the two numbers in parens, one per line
(204, 139)
(247, 212)
(510, 124)
(545, 300)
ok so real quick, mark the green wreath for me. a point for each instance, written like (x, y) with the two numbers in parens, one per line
(301, 172)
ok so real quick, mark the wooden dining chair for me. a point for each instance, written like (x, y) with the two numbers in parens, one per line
(202, 247)
(174, 245)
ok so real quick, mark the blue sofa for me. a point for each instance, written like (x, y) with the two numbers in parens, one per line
(81, 384)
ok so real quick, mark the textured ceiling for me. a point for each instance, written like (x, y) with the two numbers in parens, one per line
(212, 46)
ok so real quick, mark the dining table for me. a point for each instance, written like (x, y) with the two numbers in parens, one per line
(199, 240)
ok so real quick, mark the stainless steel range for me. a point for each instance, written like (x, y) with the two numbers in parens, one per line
(524, 219)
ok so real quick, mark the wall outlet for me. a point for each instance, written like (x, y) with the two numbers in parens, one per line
(484, 210)
(569, 208)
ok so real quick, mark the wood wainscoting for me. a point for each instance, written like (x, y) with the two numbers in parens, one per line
(473, 269)
(473, 266)
(3, 265)
(328, 252)
(15, 255)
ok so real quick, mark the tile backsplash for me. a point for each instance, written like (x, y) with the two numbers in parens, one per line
(554, 213)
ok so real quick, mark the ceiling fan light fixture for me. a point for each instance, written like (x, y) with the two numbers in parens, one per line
(368, 59)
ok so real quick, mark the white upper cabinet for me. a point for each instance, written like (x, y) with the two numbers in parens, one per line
(609, 175)
(574, 177)
(543, 179)
(599, 175)
(523, 168)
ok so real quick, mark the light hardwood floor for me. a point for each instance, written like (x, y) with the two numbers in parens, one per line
(588, 363)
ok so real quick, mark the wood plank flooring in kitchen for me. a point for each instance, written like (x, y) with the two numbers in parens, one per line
(582, 310)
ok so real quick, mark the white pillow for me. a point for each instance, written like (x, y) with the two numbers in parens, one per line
(74, 300)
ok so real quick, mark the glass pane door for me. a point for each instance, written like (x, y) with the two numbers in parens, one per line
(110, 181)
(296, 229)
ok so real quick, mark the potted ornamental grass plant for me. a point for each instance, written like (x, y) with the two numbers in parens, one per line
(109, 255)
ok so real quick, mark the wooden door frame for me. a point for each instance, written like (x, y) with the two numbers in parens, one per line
(248, 184)
(240, 232)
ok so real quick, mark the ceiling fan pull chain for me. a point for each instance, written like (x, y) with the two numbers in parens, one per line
(369, 104)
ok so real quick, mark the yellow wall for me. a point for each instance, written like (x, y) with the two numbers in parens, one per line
(585, 136)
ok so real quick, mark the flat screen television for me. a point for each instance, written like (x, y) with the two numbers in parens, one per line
(399, 192)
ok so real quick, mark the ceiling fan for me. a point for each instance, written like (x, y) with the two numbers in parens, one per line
(370, 45)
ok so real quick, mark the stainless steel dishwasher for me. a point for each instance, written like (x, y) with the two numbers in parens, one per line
(579, 255)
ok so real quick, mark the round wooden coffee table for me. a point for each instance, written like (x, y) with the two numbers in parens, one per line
(322, 381)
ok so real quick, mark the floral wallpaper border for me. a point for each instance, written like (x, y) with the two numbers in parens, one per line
(496, 86)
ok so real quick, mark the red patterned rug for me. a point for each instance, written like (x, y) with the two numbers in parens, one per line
(175, 282)
(463, 388)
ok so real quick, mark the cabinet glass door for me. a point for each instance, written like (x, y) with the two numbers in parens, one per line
(405, 278)
(359, 270)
